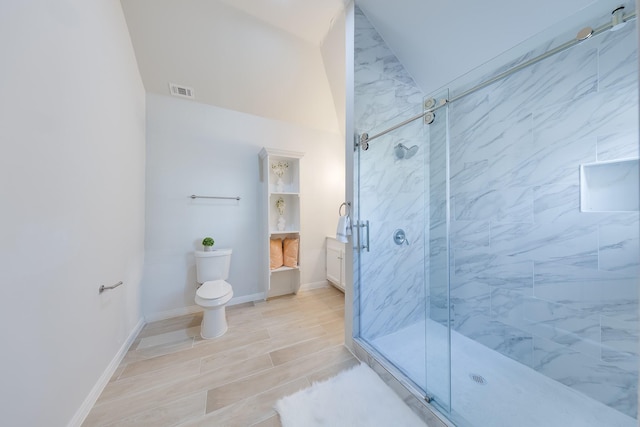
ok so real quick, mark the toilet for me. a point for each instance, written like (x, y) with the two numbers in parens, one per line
(212, 268)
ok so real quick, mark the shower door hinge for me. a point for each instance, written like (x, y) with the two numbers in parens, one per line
(361, 225)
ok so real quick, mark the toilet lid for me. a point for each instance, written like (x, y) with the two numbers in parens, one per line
(213, 289)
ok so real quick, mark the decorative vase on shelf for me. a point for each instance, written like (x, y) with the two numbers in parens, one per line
(279, 168)
(280, 205)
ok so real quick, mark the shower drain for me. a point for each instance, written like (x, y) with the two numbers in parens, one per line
(478, 379)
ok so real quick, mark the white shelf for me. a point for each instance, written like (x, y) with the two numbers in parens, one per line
(610, 186)
(287, 279)
(283, 268)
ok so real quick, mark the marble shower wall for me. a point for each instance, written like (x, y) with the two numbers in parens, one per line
(392, 191)
(533, 277)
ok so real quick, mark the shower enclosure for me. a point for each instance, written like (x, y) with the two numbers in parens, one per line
(497, 258)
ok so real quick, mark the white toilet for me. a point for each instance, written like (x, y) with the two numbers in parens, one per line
(212, 268)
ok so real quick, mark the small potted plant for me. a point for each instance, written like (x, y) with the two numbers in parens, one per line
(208, 242)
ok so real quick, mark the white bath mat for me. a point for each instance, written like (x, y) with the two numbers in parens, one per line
(356, 397)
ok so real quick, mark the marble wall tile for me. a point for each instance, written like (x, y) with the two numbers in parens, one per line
(507, 340)
(469, 300)
(618, 58)
(619, 339)
(390, 101)
(513, 204)
(556, 202)
(372, 52)
(470, 234)
(564, 242)
(575, 329)
(618, 145)
(516, 148)
(619, 248)
(586, 289)
(531, 276)
(507, 306)
(482, 266)
(603, 381)
(392, 291)
(596, 114)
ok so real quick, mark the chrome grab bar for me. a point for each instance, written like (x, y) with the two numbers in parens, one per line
(104, 288)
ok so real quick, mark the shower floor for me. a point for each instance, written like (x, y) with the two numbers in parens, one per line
(512, 394)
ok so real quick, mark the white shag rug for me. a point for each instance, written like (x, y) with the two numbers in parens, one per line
(356, 397)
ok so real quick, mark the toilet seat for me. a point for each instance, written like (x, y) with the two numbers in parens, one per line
(214, 293)
(214, 289)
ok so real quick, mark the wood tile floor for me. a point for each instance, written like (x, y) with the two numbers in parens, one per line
(172, 377)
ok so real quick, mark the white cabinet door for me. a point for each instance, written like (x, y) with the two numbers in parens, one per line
(335, 263)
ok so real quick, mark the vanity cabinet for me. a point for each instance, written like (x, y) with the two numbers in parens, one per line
(280, 217)
(335, 263)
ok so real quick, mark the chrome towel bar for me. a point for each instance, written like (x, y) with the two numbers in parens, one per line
(104, 288)
(193, 196)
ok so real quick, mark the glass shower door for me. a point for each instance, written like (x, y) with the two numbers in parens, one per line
(402, 212)
(390, 207)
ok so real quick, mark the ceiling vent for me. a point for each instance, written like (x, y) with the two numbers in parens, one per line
(182, 91)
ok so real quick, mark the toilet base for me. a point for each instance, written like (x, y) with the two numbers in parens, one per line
(214, 323)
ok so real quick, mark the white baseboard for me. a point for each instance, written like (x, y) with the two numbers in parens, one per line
(102, 382)
(314, 285)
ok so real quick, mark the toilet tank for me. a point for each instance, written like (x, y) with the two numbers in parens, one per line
(213, 265)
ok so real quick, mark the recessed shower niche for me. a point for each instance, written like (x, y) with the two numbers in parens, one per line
(610, 186)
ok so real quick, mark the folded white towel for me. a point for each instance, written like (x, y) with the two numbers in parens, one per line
(344, 229)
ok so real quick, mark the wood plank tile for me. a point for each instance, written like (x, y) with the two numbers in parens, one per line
(284, 339)
(115, 410)
(251, 410)
(234, 355)
(301, 349)
(272, 421)
(171, 414)
(229, 381)
(149, 380)
(238, 390)
(207, 348)
(169, 337)
(332, 370)
(157, 351)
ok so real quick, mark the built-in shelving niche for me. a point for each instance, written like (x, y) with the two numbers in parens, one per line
(610, 186)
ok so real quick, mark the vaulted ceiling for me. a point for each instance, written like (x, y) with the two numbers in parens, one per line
(261, 57)
(267, 58)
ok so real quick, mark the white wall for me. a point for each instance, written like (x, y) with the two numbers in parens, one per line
(334, 59)
(231, 59)
(72, 191)
(195, 148)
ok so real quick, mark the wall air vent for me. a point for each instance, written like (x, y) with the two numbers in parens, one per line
(182, 91)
